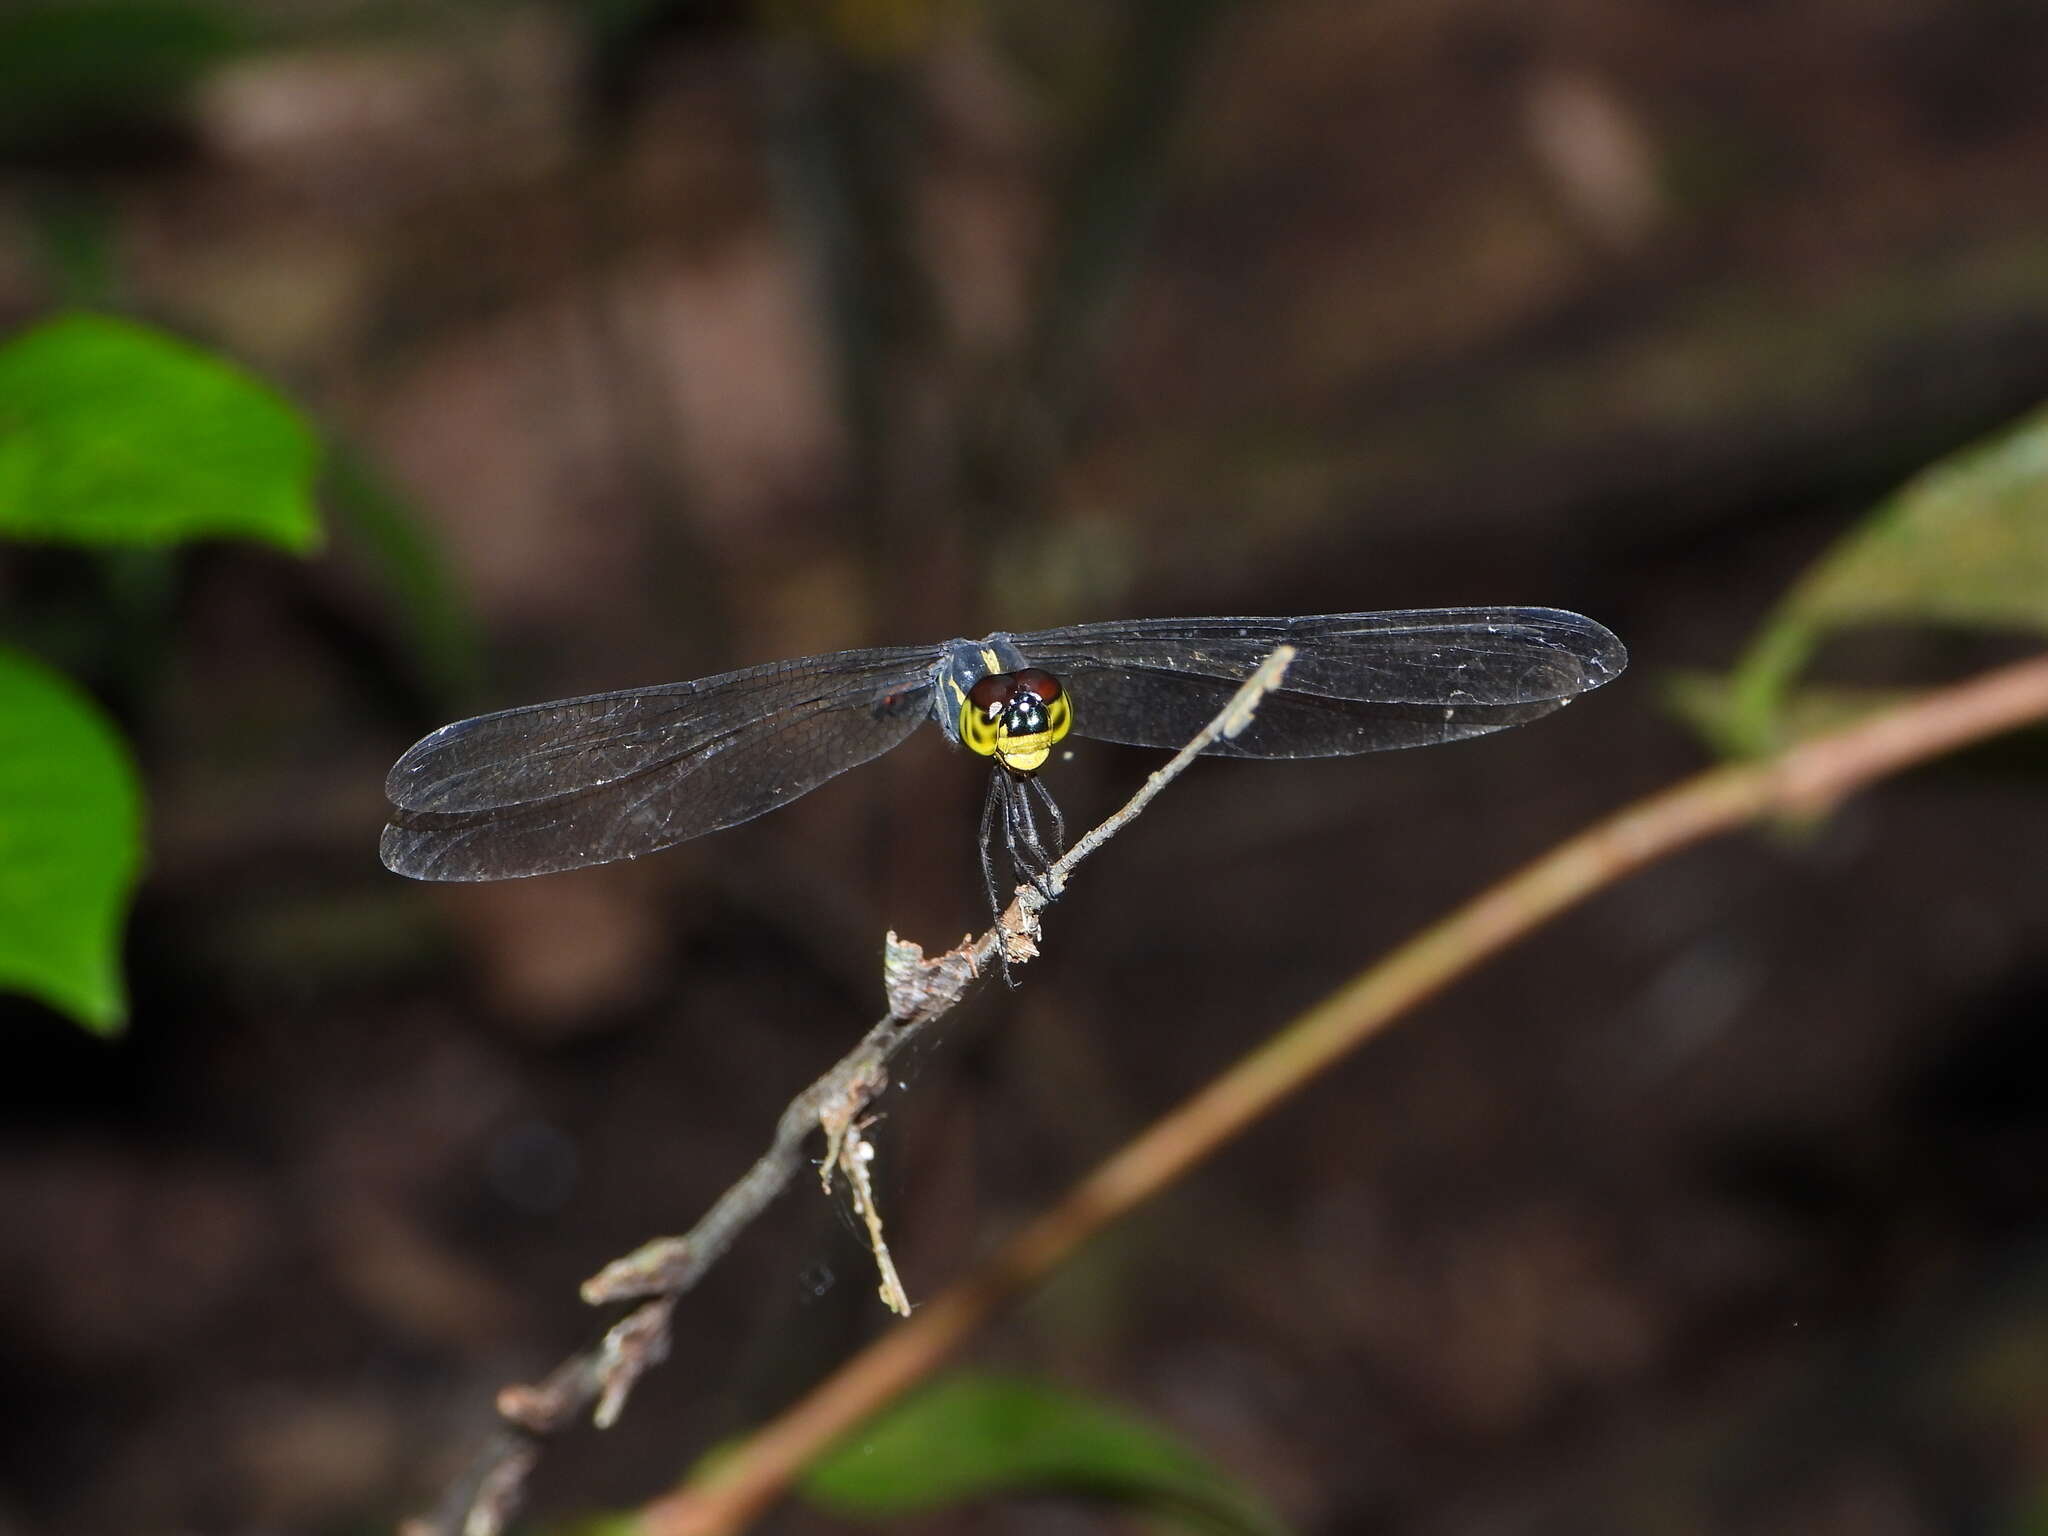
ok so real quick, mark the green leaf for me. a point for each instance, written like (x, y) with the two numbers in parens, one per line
(70, 844)
(112, 433)
(978, 1437)
(1712, 705)
(598, 1525)
(1964, 544)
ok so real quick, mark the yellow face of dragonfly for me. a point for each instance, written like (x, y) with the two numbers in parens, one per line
(1016, 718)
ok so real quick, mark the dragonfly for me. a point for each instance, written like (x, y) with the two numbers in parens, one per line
(611, 776)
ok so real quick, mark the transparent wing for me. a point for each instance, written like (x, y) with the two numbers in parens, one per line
(1363, 682)
(587, 781)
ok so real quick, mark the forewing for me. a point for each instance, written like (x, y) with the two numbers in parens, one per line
(587, 781)
(1362, 682)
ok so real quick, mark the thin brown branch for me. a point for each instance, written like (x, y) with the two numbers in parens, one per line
(659, 1272)
(1800, 781)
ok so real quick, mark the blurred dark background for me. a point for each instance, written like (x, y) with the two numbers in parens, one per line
(663, 338)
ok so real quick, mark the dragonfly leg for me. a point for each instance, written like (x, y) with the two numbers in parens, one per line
(997, 802)
(1027, 848)
(1018, 807)
(1052, 809)
(990, 805)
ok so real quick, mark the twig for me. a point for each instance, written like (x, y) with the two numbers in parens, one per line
(848, 1150)
(1801, 781)
(855, 1154)
(658, 1273)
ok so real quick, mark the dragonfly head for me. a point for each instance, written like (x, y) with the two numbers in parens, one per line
(1016, 718)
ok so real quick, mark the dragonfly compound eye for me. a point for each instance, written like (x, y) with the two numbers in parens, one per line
(1015, 717)
(1035, 717)
(1037, 682)
(981, 713)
